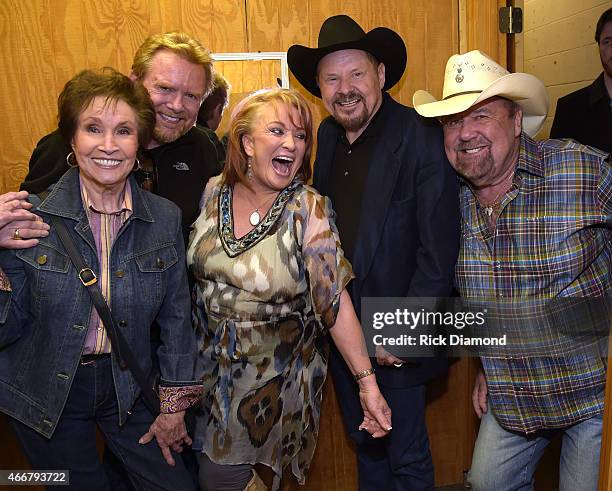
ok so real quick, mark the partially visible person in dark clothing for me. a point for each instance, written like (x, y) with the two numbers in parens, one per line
(586, 114)
(211, 112)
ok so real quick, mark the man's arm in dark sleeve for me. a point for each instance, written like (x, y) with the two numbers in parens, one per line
(47, 163)
(438, 220)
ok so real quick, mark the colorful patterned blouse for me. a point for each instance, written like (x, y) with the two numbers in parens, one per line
(269, 298)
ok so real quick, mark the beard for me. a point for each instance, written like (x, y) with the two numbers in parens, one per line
(166, 135)
(356, 119)
(474, 168)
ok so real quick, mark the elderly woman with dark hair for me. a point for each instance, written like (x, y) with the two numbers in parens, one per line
(59, 375)
(271, 277)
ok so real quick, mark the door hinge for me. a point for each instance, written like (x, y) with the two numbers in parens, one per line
(510, 20)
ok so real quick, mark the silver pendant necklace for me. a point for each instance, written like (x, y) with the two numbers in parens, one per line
(254, 218)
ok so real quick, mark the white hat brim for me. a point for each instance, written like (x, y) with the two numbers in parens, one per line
(524, 89)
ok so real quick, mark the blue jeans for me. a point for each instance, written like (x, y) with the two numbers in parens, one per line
(92, 402)
(506, 461)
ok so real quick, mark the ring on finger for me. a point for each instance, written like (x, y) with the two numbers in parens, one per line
(16, 235)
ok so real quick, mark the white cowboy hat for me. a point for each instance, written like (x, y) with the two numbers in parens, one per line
(474, 77)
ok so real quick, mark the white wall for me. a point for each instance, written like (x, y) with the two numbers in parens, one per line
(559, 45)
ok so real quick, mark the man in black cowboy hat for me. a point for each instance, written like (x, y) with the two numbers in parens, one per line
(395, 197)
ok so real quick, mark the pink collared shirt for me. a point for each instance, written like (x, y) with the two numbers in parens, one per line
(104, 227)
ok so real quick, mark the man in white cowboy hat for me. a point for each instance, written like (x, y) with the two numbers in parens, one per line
(537, 220)
(395, 197)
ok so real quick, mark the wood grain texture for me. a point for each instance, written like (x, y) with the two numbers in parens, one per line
(263, 25)
(228, 32)
(484, 34)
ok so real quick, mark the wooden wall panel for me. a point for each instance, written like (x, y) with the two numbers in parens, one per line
(559, 46)
(263, 33)
(483, 34)
(164, 15)
(228, 32)
(27, 94)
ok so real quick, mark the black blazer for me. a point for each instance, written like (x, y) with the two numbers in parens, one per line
(408, 238)
(585, 116)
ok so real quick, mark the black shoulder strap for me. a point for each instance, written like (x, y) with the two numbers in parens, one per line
(119, 344)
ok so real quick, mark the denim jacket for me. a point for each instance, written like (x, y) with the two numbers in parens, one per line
(44, 320)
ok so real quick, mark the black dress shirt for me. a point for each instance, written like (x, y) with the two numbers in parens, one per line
(347, 179)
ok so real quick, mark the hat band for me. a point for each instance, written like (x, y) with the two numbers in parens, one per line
(462, 93)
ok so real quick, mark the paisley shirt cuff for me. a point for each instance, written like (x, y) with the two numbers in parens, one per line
(179, 398)
(5, 283)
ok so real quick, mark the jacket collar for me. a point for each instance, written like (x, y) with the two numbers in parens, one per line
(64, 199)
(597, 91)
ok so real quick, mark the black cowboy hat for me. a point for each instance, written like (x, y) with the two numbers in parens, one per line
(341, 32)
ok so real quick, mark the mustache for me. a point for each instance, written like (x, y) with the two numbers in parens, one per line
(481, 141)
(353, 94)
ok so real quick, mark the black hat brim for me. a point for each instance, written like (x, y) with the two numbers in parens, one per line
(384, 44)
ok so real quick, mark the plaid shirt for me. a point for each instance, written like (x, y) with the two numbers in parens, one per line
(553, 239)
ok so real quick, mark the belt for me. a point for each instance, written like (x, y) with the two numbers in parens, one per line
(89, 359)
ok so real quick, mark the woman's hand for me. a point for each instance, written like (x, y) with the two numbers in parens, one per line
(348, 337)
(170, 432)
(376, 412)
(19, 228)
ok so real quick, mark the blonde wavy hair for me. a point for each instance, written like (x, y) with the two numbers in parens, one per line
(243, 121)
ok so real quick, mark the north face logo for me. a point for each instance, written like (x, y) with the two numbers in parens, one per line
(181, 166)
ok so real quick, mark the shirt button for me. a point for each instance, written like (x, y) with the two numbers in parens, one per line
(349, 152)
(160, 263)
(42, 259)
(345, 173)
(122, 323)
(120, 273)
